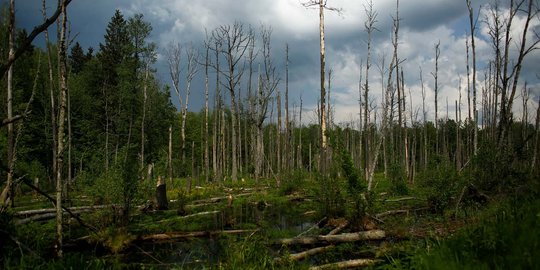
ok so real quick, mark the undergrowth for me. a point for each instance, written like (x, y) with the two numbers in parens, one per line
(507, 237)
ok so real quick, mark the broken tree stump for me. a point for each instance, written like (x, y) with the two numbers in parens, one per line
(161, 195)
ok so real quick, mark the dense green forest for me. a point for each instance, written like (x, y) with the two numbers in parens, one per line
(88, 133)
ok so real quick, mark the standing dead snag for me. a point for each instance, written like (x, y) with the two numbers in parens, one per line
(436, 77)
(472, 24)
(61, 131)
(234, 44)
(369, 25)
(7, 193)
(322, 5)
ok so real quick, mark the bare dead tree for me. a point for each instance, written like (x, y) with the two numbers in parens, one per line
(234, 41)
(369, 26)
(61, 130)
(8, 192)
(360, 124)
(288, 146)
(268, 82)
(494, 23)
(206, 133)
(322, 5)
(51, 90)
(424, 115)
(436, 89)
(149, 57)
(192, 68)
(510, 79)
(536, 139)
(4, 66)
(472, 24)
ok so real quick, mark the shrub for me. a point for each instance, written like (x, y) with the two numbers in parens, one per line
(442, 185)
(397, 177)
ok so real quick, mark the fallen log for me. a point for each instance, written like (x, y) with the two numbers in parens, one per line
(345, 264)
(50, 215)
(218, 199)
(53, 210)
(391, 212)
(316, 225)
(174, 236)
(189, 216)
(339, 228)
(304, 254)
(339, 238)
(400, 199)
(76, 217)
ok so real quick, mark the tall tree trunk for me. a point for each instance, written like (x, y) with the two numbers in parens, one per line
(536, 139)
(299, 151)
(323, 91)
(436, 76)
(280, 159)
(61, 131)
(234, 118)
(69, 146)
(8, 192)
(145, 98)
(369, 26)
(472, 25)
(52, 95)
(288, 147)
(169, 157)
(206, 154)
(424, 115)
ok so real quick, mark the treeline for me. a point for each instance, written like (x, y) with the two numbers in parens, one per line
(119, 114)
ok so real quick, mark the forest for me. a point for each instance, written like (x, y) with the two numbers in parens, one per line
(105, 166)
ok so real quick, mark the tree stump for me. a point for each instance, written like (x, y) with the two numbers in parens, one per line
(161, 195)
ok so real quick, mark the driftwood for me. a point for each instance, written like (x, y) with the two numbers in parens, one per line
(174, 236)
(339, 238)
(345, 264)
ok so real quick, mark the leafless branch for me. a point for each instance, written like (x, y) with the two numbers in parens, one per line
(28, 41)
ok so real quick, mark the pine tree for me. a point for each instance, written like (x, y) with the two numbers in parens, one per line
(77, 58)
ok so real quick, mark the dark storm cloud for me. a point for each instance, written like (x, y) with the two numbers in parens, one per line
(422, 24)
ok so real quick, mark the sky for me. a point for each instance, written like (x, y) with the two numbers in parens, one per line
(423, 24)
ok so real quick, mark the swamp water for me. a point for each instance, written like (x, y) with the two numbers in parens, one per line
(200, 252)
